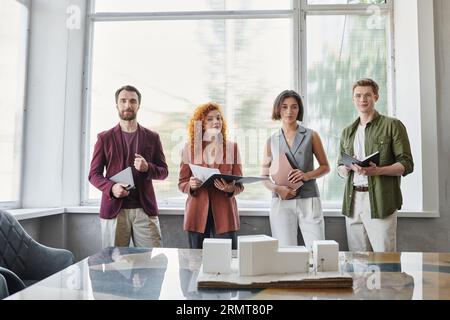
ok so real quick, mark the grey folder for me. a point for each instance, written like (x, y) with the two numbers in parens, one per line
(126, 177)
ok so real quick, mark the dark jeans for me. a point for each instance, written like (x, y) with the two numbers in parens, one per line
(196, 238)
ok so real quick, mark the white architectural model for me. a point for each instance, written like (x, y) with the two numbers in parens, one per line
(260, 255)
(326, 255)
(217, 255)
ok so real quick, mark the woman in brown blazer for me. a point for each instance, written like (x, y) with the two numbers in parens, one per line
(211, 212)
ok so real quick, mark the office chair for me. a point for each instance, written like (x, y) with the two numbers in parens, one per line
(12, 283)
(23, 261)
(3, 287)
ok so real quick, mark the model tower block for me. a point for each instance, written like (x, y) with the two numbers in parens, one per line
(326, 255)
(217, 255)
(259, 255)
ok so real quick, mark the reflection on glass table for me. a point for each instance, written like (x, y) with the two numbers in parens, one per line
(171, 274)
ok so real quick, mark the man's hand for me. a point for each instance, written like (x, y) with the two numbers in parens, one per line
(119, 191)
(344, 171)
(285, 193)
(140, 163)
(371, 171)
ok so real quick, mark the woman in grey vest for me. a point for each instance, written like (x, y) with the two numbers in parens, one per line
(302, 207)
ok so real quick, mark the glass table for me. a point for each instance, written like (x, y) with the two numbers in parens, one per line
(171, 274)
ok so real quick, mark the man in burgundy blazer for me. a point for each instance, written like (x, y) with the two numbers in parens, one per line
(126, 214)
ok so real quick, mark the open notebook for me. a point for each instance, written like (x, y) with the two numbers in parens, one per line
(364, 163)
(208, 175)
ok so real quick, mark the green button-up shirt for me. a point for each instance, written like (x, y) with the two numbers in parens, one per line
(389, 136)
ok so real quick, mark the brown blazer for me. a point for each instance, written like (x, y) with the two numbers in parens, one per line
(223, 205)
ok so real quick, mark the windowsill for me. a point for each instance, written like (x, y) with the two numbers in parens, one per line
(30, 213)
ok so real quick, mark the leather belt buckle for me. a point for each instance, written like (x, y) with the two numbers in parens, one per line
(361, 189)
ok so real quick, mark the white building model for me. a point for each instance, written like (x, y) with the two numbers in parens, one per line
(217, 255)
(326, 255)
(260, 255)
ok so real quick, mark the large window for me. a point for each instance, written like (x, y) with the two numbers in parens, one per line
(13, 39)
(241, 54)
(340, 48)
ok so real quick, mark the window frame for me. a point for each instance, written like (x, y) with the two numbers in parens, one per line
(298, 13)
(351, 9)
(19, 140)
(93, 17)
(348, 9)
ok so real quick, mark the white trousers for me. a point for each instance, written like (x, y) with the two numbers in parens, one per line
(129, 224)
(367, 234)
(287, 215)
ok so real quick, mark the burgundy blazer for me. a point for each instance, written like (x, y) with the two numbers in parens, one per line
(108, 152)
(224, 206)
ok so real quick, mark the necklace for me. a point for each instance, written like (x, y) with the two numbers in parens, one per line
(290, 138)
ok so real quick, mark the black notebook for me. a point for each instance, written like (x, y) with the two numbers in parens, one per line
(229, 178)
(364, 163)
(208, 175)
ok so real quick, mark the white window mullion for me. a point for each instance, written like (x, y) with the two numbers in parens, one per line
(296, 44)
(89, 40)
(344, 7)
(189, 15)
(391, 65)
(301, 46)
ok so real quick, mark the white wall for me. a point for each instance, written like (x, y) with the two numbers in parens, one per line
(415, 99)
(52, 150)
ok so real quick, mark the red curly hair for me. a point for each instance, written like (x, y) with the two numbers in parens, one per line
(200, 114)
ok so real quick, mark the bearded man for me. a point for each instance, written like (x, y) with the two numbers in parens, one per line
(128, 213)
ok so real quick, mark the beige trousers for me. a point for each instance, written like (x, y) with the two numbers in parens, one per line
(367, 234)
(129, 224)
(287, 215)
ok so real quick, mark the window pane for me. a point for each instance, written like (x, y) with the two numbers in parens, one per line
(13, 21)
(241, 64)
(346, 1)
(191, 5)
(340, 50)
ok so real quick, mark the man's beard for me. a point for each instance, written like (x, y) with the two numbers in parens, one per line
(127, 117)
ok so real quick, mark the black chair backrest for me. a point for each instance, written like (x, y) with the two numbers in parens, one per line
(3, 287)
(15, 244)
(12, 282)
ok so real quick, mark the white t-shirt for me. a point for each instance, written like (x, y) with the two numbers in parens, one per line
(360, 153)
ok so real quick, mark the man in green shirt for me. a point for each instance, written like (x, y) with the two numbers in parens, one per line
(372, 194)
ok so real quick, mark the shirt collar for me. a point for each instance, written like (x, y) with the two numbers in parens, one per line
(376, 118)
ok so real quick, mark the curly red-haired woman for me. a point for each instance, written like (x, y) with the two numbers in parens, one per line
(211, 212)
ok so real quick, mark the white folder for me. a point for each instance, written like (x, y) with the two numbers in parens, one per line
(126, 177)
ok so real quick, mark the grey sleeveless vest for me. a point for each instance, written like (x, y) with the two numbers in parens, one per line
(301, 154)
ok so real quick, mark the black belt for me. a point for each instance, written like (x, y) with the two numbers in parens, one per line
(361, 189)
